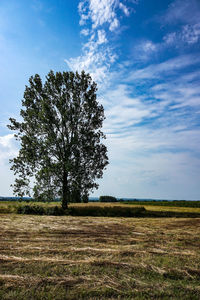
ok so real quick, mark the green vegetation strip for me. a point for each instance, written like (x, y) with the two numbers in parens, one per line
(175, 203)
(98, 210)
(95, 211)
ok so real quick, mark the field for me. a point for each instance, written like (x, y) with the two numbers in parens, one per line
(65, 257)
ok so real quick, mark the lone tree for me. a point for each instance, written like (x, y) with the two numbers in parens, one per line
(60, 137)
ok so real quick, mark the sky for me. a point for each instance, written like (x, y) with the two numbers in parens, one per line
(144, 56)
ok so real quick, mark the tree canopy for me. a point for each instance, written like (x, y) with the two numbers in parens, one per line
(60, 137)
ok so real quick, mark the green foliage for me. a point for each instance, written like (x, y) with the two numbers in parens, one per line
(99, 211)
(76, 196)
(106, 211)
(174, 203)
(107, 199)
(60, 138)
(55, 211)
(40, 210)
(31, 210)
(85, 198)
(95, 211)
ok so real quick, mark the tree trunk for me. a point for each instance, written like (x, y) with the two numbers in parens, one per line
(65, 192)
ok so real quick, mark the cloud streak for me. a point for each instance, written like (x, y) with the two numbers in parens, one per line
(152, 109)
(97, 54)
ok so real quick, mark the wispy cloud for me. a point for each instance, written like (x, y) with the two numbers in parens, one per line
(185, 15)
(153, 136)
(152, 111)
(123, 110)
(157, 163)
(8, 148)
(168, 67)
(85, 31)
(125, 9)
(180, 11)
(99, 12)
(181, 31)
(152, 147)
(98, 19)
(191, 33)
(144, 50)
(188, 35)
(96, 58)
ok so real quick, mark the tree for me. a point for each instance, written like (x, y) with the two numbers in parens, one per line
(60, 137)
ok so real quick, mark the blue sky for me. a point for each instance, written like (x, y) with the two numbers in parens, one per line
(145, 57)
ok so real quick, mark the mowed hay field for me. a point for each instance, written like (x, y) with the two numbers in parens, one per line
(147, 207)
(50, 257)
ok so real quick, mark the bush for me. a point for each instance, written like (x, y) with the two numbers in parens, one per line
(31, 210)
(99, 211)
(40, 210)
(115, 211)
(75, 196)
(55, 211)
(107, 199)
(95, 211)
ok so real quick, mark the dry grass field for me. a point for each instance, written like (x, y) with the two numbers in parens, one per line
(147, 207)
(50, 257)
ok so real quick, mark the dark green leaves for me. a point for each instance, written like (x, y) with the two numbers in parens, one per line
(60, 136)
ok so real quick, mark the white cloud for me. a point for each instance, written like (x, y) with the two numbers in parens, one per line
(82, 11)
(144, 50)
(161, 157)
(81, 7)
(149, 46)
(170, 38)
(191, 33)
(153, 149)
(188, 34)
(6, 140)
(151, 163)
(167, 67)
(101, 37)
(181, 91)
(114, 24)
(8, 148)
(85, 32)
(184, 16)
(102, 12)
(97, 54)
(93, 62)
(179, 11)
(96, 57)
(124, 8)
(123, 110)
